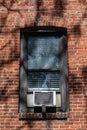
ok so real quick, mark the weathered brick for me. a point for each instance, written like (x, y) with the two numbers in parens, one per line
(18, 14)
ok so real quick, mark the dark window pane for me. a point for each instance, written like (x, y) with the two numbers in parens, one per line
(44, 80)
(43, 52)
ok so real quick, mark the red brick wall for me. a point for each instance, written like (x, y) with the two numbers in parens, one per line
(16, 14)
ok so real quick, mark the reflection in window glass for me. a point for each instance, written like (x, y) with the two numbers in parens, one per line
(45, 80)
(43, 52)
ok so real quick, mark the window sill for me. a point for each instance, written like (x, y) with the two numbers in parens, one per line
(36, 116)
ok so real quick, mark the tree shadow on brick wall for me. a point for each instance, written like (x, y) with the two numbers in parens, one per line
(7, 7)
(77, 82)
(78, 88)
(84, 74)
(7, 59)
(76, 30)
(59, 8)
(8, 78)
(41, 10)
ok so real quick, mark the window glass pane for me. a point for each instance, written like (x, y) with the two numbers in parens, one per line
(45, 80)
(43, 52)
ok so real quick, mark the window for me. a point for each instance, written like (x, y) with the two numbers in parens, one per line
(43, 62)
(43, 65)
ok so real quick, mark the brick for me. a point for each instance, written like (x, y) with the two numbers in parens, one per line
(20, 14)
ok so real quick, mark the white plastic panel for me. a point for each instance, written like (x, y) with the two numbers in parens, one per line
(58, 100)
(29, 100)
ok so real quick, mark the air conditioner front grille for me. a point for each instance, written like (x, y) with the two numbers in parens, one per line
(44, 98)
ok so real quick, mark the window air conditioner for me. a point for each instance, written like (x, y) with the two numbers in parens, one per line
(44, 98)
